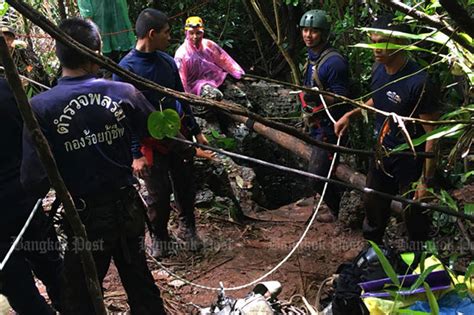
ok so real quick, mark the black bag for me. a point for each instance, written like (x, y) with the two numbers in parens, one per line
(365, 267)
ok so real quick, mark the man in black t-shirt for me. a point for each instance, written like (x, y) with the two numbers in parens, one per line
(165, 172)
(89, 123)
(400, 87)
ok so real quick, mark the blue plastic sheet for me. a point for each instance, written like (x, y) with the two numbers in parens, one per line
(450, 304)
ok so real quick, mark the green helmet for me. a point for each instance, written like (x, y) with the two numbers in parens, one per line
(315, 19)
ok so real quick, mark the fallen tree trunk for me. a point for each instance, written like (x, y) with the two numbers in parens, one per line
(303, 150)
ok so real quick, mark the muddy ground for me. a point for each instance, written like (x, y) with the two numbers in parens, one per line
(240, 253)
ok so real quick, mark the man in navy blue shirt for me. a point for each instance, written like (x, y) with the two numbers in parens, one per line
(411, 96)
(327, 70)
(89, 123)
(37, 249)
(164, 172)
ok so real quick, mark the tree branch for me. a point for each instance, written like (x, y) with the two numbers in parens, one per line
(433, 21)
(277, 21)
(367, 190)
(257, 37)
(55, 177)
(459, 15)
(294, 70)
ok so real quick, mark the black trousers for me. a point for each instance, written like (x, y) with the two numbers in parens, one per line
(319, 164)
(115, 228)
(37, 252)
(405, 171)
(169, 174)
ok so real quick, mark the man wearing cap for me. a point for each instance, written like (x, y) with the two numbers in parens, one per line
(9, 35)
(26, 60)
(326, 69)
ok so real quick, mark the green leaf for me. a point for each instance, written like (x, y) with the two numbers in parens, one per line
(391, 46)
(216, 134)
(469, 208)
(459, 111)
(461, 289)
(226, 143)
(448, 200)
(440, 132)
(387, 267)
(4, 8)
(466, 176)
(469, 271)
(404, 311)
(434, 36)
(434, 308)
(422, 276)
(164, 124)
(408, 258)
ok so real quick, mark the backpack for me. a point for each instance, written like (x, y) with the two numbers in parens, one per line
(365, 267)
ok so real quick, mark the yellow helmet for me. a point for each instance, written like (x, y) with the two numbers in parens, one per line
(194, 22)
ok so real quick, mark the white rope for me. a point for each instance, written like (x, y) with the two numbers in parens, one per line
(283, 261)
(293, 250)
(18, 238)
(31, 80)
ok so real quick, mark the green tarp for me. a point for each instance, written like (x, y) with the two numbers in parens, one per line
(112, 18)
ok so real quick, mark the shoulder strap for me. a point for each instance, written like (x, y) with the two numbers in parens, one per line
(305, 68)
(325, 55)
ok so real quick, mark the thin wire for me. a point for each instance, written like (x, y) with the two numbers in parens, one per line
(359, 104)
(423, 205)
(20, 235)
(31, 80)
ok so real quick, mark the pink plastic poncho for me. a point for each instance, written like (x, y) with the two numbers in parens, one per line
(208, 64)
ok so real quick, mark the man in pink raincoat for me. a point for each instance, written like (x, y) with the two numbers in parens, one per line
(203, 65)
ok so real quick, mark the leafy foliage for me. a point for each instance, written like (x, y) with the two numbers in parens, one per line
(222, 141)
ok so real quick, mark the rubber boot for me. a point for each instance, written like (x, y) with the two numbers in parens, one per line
(187, 234)
(161, 242)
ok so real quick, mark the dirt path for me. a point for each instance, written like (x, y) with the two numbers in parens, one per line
(237, 254)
